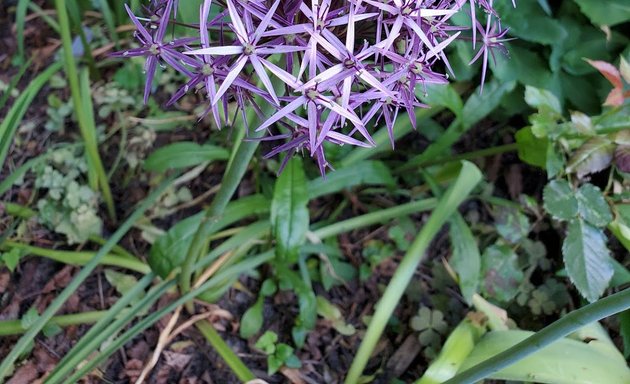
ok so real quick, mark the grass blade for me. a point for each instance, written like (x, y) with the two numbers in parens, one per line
(11, 122)
(43, 319)
(468, 178)
(20, 22)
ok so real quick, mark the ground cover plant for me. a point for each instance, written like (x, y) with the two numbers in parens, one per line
(314, 191)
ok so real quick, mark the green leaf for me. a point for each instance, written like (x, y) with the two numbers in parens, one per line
(183, 155)
(252, 320)
(169, 251)
(594, 156)
(122, 282)
(559, 200)
(565, 361)
(587, 259)
(543, 100)
(466, 260)
(593, 206)
(11, 258)
(501, 274)
(605, 12)
(624, 329)
(531, 149)
(267, 342)
(29, 318)
(289, 211)
(512, 224)
(479, 106)
(363, 173)
(443, 95)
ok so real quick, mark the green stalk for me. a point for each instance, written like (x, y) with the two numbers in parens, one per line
(82, 108)
(41, 321)
(468, 178)
(376, 217)
(231, 359)
(14, 327)
(80, 258)
(575, 320)
(231, 179)
(492, 151)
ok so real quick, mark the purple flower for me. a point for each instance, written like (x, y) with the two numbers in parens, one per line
(331, 68)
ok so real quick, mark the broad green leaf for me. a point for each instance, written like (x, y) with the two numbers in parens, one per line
(465, 260)
(555, 161)
(11, 258)
(529, 22)
(363, 173)
(565, 361)
(542, 99)
(289, 211)
(593, 156)
(122, 282)
(478, 106)
(531, 149)
(593, 206)
(169, 251)
(252, 320)
(606, 12)
(183, 155)
(442, 95)
(500, 272)
(559, 200)
(587, 259)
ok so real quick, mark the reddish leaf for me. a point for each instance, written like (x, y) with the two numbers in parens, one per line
(615, 98)
(609, 71)
(622, 158)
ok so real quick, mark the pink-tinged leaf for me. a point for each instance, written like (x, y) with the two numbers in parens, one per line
(609, 71)
(593, 156)
(622, 158)
(614, 98)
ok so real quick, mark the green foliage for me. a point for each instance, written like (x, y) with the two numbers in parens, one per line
(183, 155)
(69, 206)
(431, 327)
(278, 354)
(289, 212)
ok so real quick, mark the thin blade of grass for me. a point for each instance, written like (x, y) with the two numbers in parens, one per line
(23, 343)
(12, 120)
(468, 178)
(82, 102)
(108, 16)
(20, 22)
(116, 319)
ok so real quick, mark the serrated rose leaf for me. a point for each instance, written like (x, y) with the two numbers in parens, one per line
(582, 123)
(593, 156)
(593, 206)
(622, 158)
(587, 259)
(559, 200)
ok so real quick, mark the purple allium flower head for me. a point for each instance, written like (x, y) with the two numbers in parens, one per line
(329, 68)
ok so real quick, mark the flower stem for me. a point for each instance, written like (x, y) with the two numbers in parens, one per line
(468, 178)
(575, 320)
(231, 179)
